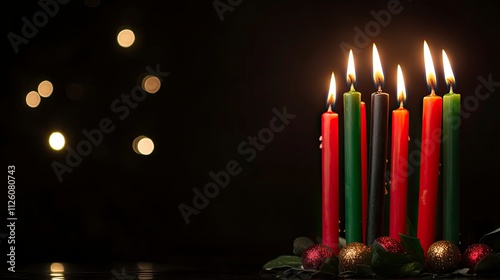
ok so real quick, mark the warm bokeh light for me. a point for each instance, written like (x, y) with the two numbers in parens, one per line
(126, 38)
(151, 84)
(57, 141)
(57, 271)
(378, 73)
(401, 87)
(45, 88)
(448, 73)
(56, 267)
(331, 92)
(33, 99)
(143, 145)
(430, 73)
(351, 73)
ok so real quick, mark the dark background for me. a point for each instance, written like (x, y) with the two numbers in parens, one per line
(225, 79)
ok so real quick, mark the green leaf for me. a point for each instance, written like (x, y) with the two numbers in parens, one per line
(364, 270)
(492, 239)
(300, 244)
(387, 264)
(298, 274)
(330, 266)
(413, 248)
(284, 261)
(489, 265)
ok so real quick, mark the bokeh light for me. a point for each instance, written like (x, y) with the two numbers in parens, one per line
(57, 141)
(45, 88)
(151, 84)
(57, 271)
(56, 267)
(126, 38)
(33, 99)
(143, 145)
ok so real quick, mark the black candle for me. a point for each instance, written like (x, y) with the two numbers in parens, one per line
(377, 154)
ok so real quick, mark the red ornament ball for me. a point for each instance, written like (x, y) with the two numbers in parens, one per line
(390, 244)
(315, 255)
(474, 253)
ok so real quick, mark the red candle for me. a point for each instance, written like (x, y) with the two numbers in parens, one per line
(429, 158)
(330, 173)
(364, 170)
(399, 164)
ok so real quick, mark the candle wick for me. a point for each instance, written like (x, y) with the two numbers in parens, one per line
(401, 104)
(379, 88)
(352, 87)
(432, 90)
(451, 87)
(330, 107)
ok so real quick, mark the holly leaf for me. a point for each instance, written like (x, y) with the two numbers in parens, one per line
(413, 248)
(300, 244)
(298, 274)
(330, 266)
(492, 239)
(284, 261)
(389, 265)
(489, 265)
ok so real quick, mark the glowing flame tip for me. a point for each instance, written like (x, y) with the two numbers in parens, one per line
(351, 73)
(331, 93)
(378, 73)
(448, 73)
(429, 67)
(401, 87)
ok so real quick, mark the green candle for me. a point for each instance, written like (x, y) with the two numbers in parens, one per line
(451, 137)
(352, 158)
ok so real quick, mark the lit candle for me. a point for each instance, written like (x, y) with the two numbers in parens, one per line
(330, 172)
(352, 157)
(429, 157)
(364, 171)
(378, 153)
(399, 163)
(451, 134)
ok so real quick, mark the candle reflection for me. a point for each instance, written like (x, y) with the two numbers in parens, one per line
(57, 271)
(145, 271)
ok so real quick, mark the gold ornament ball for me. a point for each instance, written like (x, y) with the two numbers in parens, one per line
(352, 254)
(443, 257)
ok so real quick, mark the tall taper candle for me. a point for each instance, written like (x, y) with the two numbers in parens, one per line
(399, 164)
(429, 158)
(378, 153)
(352, 157)
(330, 172)
(451, 138)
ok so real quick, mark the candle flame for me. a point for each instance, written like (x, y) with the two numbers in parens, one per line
(351, 74)
(448, 73)
(401, 87)
(378, 73)
(429, 68)
(331, 93)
